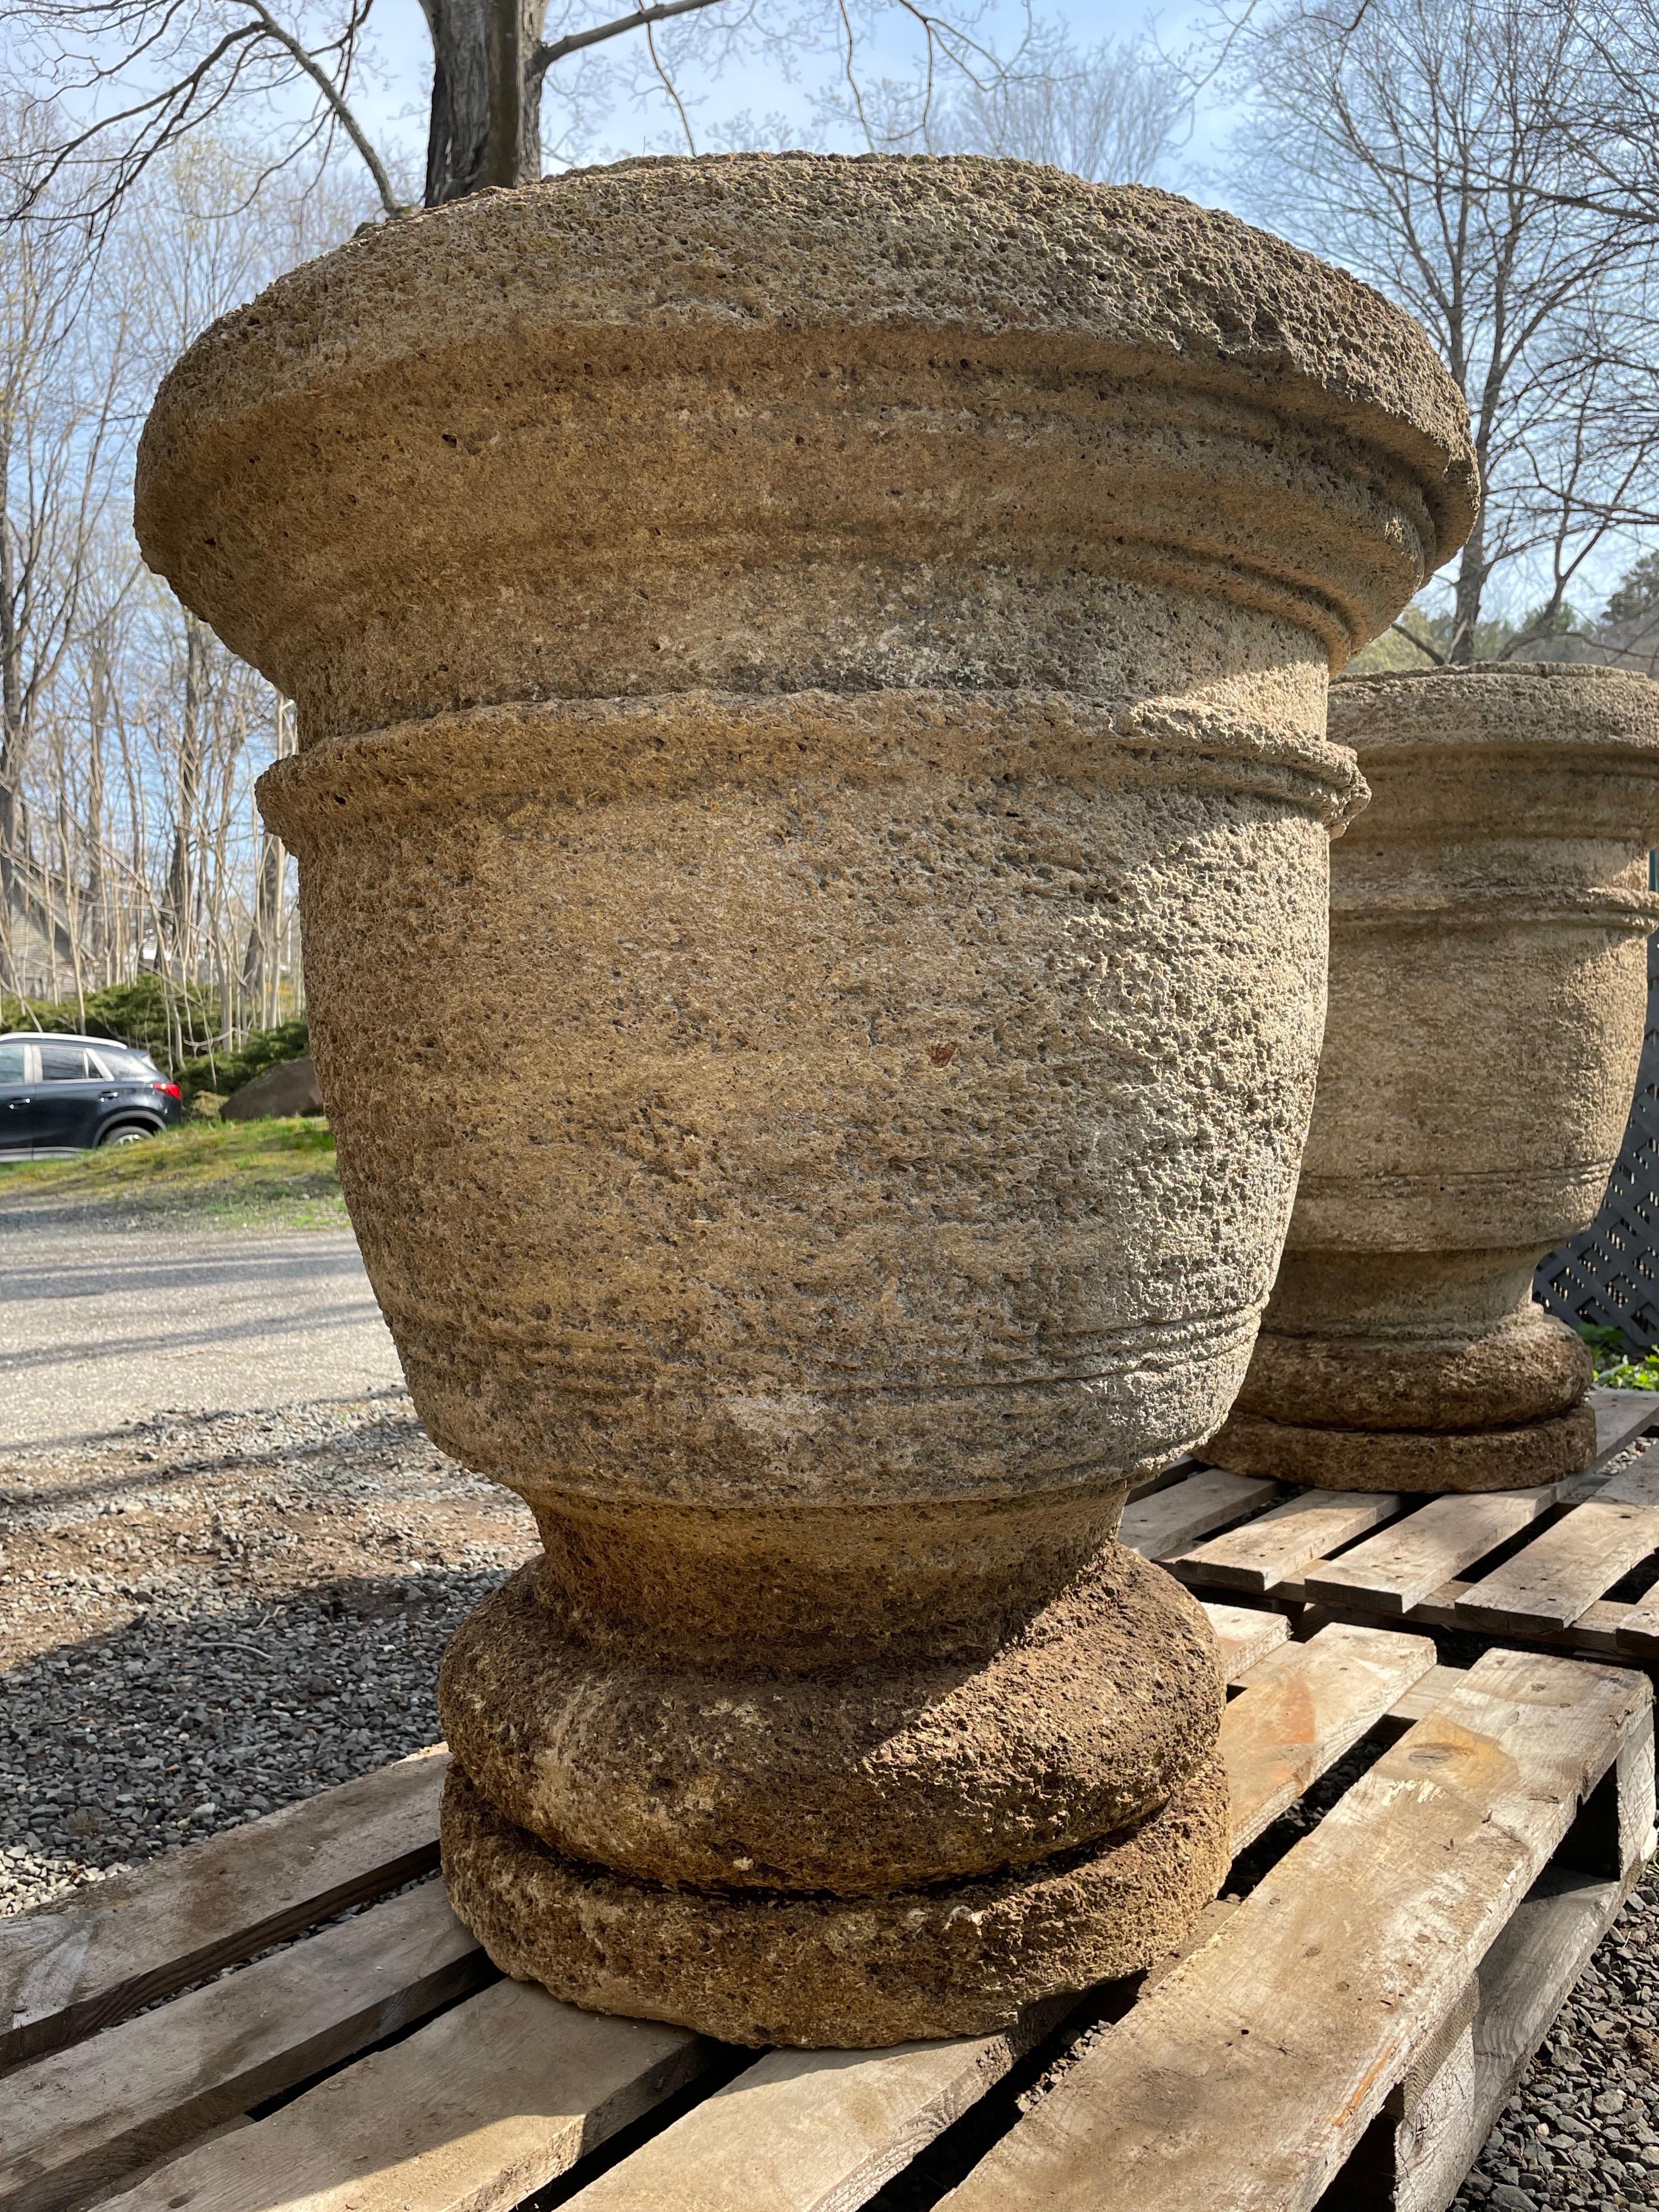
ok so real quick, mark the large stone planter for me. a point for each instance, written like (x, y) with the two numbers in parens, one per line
(1487, 1003)
(813, 812)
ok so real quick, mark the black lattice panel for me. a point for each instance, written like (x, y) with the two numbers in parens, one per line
(1609, 1274)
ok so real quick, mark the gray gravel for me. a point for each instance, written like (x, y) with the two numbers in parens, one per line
(215, 1616)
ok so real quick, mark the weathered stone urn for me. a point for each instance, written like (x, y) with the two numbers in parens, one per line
(1488, 996)
(813, 812)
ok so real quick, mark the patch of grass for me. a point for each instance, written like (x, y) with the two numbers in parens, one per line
(277, 1173)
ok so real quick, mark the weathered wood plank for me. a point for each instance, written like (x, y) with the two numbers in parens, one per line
(1530, 1971)
(1245, 1634)
(80, 2119)
(1621, 1417)
(1302, 1707)
(67, 1973)
(1242, 2082)
(1286, 1539)
(1172, 1519)
(1390, 1572)
(1551, 1581)
(494, 2100)
(1636, 1484)
(1593, 1635)
(1429, 1691)
(813, 2130)
(1416, 2162)
(1638, 1632)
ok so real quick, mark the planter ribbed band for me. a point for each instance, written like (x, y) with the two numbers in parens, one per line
(1487, 1003)
(813, 812)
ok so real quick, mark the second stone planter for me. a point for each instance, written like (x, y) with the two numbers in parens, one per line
(1488, 998)
(812, 811)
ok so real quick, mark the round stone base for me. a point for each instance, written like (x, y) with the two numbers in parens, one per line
(1408, 1459)
(769, 1967)
(903, 1771)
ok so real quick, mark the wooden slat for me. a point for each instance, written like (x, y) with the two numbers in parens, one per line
(809, 2130)
(1302, 1707)
(1621, 1417)
(1429, 1691)
(494, 2100)
(1243, 2080)
(1551, 1581)
(1390, 1572)
(1245, 1634)
(69, 1972)
(1638, 1632)
(1524, 1980)
(82, 2118)
(1635, 1484)
(1172, 1519)
(1287, 1538)
(1528, 1974)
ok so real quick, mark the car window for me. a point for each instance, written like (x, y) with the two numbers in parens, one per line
(127, 1064)
(63, 1063)
(11, 1063)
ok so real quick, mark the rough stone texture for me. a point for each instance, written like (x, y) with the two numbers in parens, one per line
(767, 1967)
(1081, 1723)
(289, 1088)
(1487, 1000)
(812, 804)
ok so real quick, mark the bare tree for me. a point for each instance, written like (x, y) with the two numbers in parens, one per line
(61, 369)
(134, 843)
(1112, 113)
(261, 958)
(118, 84)
(1421, 143)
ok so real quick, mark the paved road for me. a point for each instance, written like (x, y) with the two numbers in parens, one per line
(100, 1327)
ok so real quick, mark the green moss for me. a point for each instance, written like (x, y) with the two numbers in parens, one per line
(272, 1174)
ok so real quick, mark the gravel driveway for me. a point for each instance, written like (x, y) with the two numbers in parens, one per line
(220, 1607)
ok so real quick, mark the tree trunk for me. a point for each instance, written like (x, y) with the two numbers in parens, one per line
(261, 958)
(1473, 570)
(181, 875)
(97, 713)
(486, 100)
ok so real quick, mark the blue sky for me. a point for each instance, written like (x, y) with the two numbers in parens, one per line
(394, 106)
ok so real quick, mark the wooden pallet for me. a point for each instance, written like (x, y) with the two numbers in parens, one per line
(1446, 1563)
(1343, 2036)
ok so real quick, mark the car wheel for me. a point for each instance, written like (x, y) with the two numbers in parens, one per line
(127, 1135)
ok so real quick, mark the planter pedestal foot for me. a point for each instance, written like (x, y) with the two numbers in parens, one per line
(771, 1968)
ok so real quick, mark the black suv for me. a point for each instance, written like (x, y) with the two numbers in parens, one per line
(64, 1094)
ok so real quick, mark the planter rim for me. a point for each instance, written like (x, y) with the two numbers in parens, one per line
(1122, 280)
(1501, 707)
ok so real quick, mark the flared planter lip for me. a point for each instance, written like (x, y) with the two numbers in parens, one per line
(1124, 277)
(1488, 707)
(913, 366)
